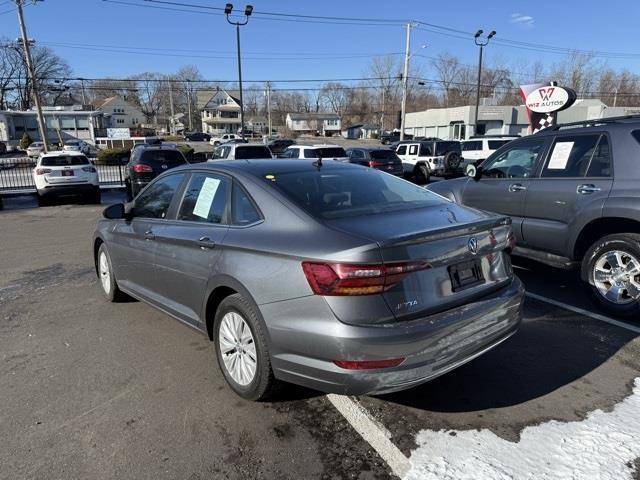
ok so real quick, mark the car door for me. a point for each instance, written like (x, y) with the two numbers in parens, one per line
(504, 180)
(574, 183)
(189, 245)
(134, 247)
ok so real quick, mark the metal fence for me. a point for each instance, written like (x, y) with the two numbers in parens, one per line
(16, 175)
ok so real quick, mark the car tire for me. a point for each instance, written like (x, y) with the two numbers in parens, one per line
(253, 354)
(42, 200)
(601, 257)
(106, 277)
(128, 190)
(96, 196)
(422, 174)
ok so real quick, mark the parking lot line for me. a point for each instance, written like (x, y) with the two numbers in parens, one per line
(582, 311)
(372, 432)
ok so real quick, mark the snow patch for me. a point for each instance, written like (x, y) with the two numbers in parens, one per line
(602, 446)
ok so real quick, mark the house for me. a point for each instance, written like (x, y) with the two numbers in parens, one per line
(352, 132)
(361, 131)
(256, 124)
(220, 112)
(457, 123)
(325, 124)
(120, 113)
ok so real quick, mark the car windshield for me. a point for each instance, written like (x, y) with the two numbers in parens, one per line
(383, 154)
(36, 144)
(443, 147)
(334, 194)
(64, 160)
(496, 144)
(248, 152)
(169, 157)
(326, 152)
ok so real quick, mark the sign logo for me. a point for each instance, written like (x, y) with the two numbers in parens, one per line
(548, 99)
(473, 245)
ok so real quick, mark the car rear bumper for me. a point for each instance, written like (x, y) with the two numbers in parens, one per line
(306, 338)
(71, 189)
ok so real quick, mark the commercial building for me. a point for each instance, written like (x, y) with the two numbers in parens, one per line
(457, 123)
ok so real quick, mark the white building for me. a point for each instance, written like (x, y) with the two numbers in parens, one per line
(325, 124)
(220, 111)
(457, 123)
(121, 114)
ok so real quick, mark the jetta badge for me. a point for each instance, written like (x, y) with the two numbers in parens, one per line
(473, 245)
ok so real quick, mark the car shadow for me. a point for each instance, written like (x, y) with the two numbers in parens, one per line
(545, 354)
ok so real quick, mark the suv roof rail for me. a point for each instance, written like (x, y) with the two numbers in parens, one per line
(493, 136)
(593, 122)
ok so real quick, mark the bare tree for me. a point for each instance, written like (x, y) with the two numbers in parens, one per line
(448, 70)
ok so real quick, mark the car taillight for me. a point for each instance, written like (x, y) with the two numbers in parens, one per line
(335, 279)
(368, 364)
(42, 171)
(142, 168)
(89, 169)
(373, 163)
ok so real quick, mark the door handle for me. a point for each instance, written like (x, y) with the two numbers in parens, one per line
(516, 187)
(205, 243)
(148, 235)
(587, 189)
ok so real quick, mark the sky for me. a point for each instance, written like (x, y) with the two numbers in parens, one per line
(118, 38)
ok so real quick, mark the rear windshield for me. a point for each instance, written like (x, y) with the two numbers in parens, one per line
(64, 160)
(470, 146)
(443, 147)
(159, 157)
(496, 144)
(383, 155)
(248, 152)
(345, 193)
(329, 152)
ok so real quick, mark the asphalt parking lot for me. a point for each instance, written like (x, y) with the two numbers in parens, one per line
(96, 390)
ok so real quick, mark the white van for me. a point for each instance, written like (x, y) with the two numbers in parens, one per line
(477, 149)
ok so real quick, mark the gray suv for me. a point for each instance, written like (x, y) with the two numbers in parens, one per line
(573, 193)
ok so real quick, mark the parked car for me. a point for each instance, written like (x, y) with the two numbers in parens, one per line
(573, 193)
(35, 149)
(389, 138)
(223, 138)
(234, 141)
(197, 137)
(329, 152)
(76, 146)
(65, 173)
(232, 151)
(379, 158)
(280, 145)
(430, 157)
(146, 163)
(478, 148)
(336, 277)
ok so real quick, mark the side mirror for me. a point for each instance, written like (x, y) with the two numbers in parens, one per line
(114, 212)
(473, 172)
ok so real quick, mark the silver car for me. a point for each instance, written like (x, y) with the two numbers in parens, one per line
(341, 278)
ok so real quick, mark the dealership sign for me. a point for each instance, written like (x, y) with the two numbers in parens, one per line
(548, 99)
(543, 102)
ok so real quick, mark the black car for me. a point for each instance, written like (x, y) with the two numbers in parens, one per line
(279, 146)
(197, 137)
(378, 158)
(387, 138)
(147, 163)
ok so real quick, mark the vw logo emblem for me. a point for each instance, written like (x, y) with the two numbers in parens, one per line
(473, 245)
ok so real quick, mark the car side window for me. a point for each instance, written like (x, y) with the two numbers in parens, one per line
(425, 151)
(600, 165)
(243, 211)
(571, 156)
(413, 149)
(154, 202)
(356, 154)
(402, 150)
(205, 199)
(519, 161)
(295, 153)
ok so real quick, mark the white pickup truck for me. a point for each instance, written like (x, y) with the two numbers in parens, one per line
(423, 158)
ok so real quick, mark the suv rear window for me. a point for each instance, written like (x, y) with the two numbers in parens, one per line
(249, 152)
(64, 161)
(443, 147)
(383, 155)
(329, 152)
(158, 157)
(345, 193)
(496, 144)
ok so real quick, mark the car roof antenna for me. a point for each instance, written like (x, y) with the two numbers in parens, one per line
(318, 163)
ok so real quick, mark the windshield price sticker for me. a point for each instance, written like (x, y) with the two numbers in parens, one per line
(560, 156)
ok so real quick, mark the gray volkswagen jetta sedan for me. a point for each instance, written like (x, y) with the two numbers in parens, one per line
(334, 276)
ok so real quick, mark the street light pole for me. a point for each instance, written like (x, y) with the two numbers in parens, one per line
(228, 9)
(481, 43)
(34, 83)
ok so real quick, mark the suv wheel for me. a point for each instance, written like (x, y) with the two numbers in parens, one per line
(452, 161)
(422, 174)
(107, 278)
(241, 349)
(612, 269)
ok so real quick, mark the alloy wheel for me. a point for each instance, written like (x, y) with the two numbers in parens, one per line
(105, 272)
(616, 276)
(237, 348)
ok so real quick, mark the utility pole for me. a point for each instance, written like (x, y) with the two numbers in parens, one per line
(34, 83)
(269, 109)
(481, 44)
(84, 98)
(171, 120)
(189, 100)
(404, 81)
